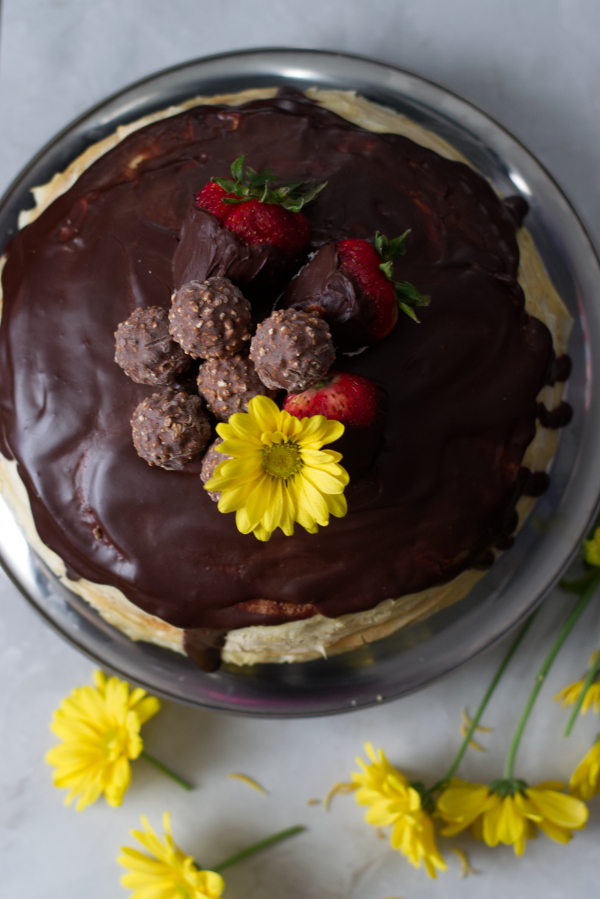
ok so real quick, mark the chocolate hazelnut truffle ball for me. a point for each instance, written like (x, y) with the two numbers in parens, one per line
(228, 385)
(146, 351)
(210, 319)
(292, 350)
(170, 428)
(209, 463)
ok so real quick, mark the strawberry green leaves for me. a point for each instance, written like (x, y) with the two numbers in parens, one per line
(406, 295)
(390, 249)
(247, 184)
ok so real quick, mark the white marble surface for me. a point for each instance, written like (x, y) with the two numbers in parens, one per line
(534, 65)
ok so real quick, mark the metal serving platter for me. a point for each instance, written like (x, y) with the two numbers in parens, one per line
(519, 579)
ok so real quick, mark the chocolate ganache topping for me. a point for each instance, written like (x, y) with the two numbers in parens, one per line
(460, 387)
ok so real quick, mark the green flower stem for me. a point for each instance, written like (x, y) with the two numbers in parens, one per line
(178, 780)
(482, 705)
(258, 847)
(545, 668)
(586, 685)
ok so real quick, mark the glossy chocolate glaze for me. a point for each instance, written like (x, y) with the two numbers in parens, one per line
(325, 285)
(203, 645)
(461, 387)
(205, 249)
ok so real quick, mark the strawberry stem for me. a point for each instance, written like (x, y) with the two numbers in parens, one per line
(406, 295)
(247, 184)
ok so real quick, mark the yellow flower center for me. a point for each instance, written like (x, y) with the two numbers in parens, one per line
(282, 460)
(114, 743)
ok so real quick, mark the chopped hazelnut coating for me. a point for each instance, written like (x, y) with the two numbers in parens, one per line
(292, 350)
(146, 351)
(210, 319)
(170, 428)
(209, 463)
(228, 385)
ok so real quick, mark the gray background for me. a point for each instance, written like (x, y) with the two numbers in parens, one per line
(535, 66)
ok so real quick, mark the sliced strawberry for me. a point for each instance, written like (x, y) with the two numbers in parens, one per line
(211, 198)
(340, 396)
(256, 223)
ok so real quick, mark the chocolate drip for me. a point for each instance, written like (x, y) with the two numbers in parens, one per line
(504, 541)
(560, 369)
(461, 386)
(485, 561)
(203, 646)
(534, 482)
(555, 418)
(518, 208)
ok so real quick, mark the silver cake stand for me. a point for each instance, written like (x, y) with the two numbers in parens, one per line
(519, 579)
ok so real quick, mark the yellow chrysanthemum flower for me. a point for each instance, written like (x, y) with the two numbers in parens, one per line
(585, 780)
(591, 549)
(278, 473)
(393, 801)
(100, 730)
(168, 874)
(511, 818)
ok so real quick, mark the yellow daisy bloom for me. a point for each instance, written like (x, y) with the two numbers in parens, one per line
(393, 801)
(591, 549)
(585, 780)
(278, 473)
(511, 818)
(100, 730)
(167, 873)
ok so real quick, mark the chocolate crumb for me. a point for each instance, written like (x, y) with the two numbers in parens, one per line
(292, 350)
(554, 418)
(170, 429)
(560, 369)
(146, 351)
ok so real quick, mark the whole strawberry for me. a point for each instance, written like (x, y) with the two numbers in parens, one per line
(351, 283)
(248, 205)
(256, 223)
(340, 396)
(211, 198)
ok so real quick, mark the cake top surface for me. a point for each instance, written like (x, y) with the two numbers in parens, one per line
(460, 388)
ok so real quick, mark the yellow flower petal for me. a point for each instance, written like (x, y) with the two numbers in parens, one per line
(337, 505)
(242, 469)
(585, 781)
(559, 808)
(461, 802)
(265, 413)
(232, 498)
(259, 500)
(323, 482)
(236, 447)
